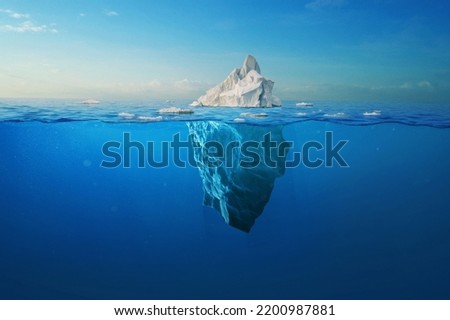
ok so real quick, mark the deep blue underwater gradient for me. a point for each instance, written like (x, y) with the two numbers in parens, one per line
(70, 229)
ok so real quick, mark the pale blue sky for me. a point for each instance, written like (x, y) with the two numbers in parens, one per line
(313, 50)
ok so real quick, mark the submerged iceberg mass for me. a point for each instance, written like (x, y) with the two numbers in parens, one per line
(237, 191)
(244, 87)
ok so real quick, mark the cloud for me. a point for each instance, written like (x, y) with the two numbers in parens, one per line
(319, 4)
(182, 83)
(424, 84)
(188, 85)
(154, 84)
(136, 88)
(158, 88)
(111, 13)
(422, 90)
(410, 91)
(27, 26)
(15, 15)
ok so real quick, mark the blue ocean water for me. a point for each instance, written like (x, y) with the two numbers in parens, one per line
(71, 229)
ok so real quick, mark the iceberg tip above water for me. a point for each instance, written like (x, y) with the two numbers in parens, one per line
(244, 87)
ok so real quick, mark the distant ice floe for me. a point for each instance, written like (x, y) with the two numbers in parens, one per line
(372, 114)
(175, 110)
(90, 101)
(126, 115)
(150, 119)
(334, 115)
(239, 120)
(132, 116)
(304, 104)
(254, 115)
(301, 114)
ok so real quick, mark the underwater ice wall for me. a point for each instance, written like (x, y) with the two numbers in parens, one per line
(238, 181)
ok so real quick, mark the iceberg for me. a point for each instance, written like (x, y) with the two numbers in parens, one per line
(244, 87)
(238, 192)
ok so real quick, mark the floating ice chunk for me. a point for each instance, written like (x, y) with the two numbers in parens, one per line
(150, 119)
(374, 113)
(175, 110)
(195, 104)
(304, 104)
(244, 87)
(276, 102)
(301, 114)
(126, 115)
(239, 120)
(254, 115)
(334, 115)
(90, 101)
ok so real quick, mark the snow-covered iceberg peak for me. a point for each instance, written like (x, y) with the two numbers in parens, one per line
(244, 87)
(250, 64)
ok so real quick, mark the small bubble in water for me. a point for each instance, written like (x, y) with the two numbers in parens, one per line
(87, 163)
